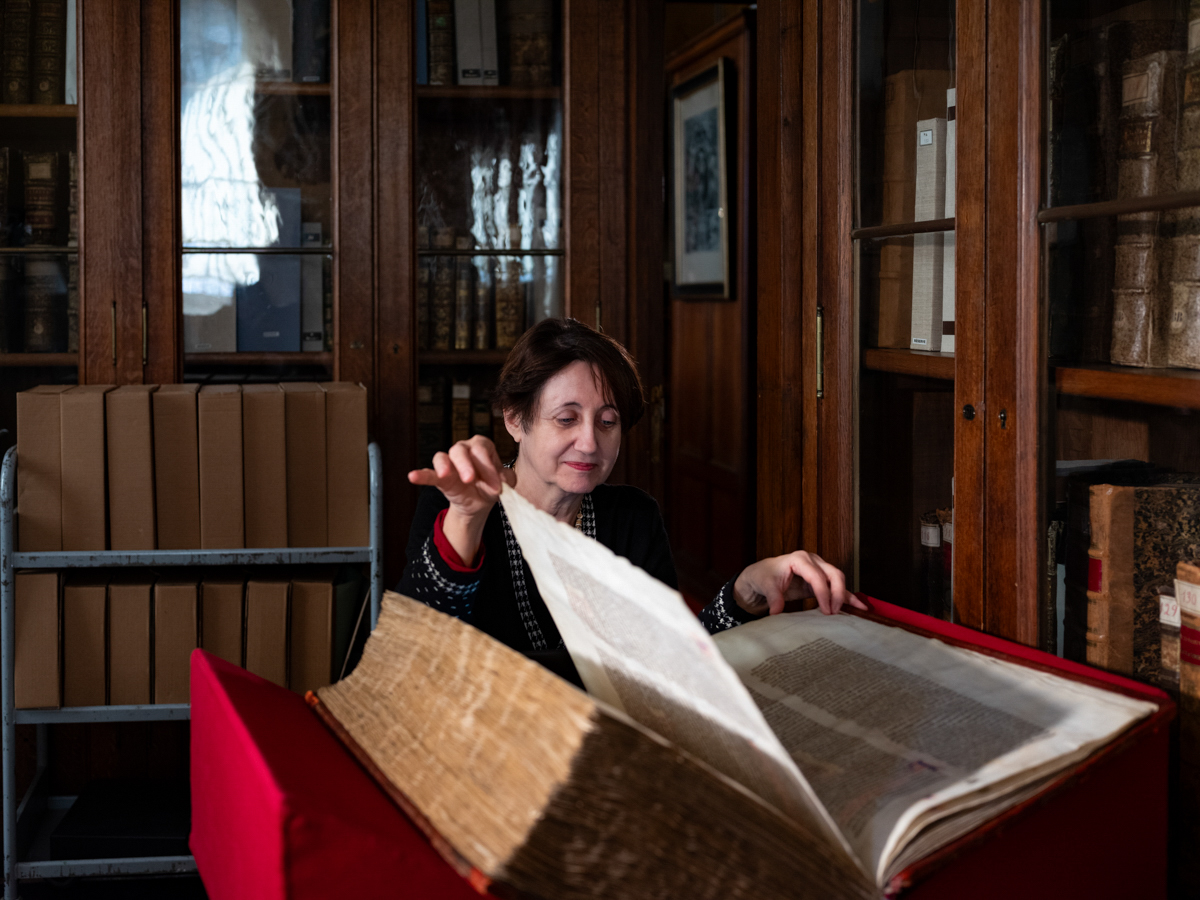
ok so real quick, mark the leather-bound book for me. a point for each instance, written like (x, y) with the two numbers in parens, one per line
(14, 60)
(530, 42)
(310, 41)
(45, 305)
(1183, 329)
(431, 419)
(441, 42)
(485, 307)
(48, 59)
(1145, 168)
(510, 302)
(441, 305)
(464, 297)
(460, 411)
(10, 163)
(423, 300)
(73, 304)
(42, 176)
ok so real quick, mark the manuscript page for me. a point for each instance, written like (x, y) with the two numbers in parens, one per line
(639, 648)
(895, 731)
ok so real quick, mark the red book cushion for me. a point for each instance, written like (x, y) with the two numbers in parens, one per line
(281, 810)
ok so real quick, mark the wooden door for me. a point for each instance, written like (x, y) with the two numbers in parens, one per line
(710, 390)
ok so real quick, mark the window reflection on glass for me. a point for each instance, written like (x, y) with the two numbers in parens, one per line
(490, 177)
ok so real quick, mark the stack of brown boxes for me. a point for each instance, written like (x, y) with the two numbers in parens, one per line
(261, 466)
(126, 637)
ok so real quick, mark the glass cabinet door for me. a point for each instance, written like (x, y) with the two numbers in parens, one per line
(488, 204)
(39, 191)
(1120, 232)
(904, 283)
(256, 182)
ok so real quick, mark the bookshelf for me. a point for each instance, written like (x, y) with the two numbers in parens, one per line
(921, 363)
(490, 92)
(39, 111)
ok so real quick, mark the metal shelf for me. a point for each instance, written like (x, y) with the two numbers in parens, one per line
(154, 712)
(18, 816)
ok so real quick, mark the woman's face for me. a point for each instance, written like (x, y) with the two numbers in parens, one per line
(574, 438)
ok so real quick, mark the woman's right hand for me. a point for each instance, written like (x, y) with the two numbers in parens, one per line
(470, 476)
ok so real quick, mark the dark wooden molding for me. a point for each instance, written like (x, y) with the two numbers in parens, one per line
(1128, 205)
(920, 363)
(902, 229)
(1179, 388)
(395, 343)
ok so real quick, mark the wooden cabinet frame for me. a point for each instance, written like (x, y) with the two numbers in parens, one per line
(806, 171)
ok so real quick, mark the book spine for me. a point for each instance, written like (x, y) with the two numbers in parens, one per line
(48, 51)
(73, 304)
(312, 290)
(441, 322)
(928, 249)
(41, 194)
(481, 418)
(441, 41)
(424, 285)
(464, 296)
(310, 41)
(1048, 625)
(948, 237)
(1145, 166)
(489, 49)
(460, 412)
(422, 29)
(1109, 623)
(14, 61)
(327, 305)
(530, 23)
(510, 303)
(72, 199)
(431, 419)
(45, 306)
(485, 310)
(468, 48)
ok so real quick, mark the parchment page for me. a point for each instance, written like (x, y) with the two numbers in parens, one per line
(638, 647)
(894, 730)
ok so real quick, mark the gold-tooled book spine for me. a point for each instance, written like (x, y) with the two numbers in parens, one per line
(441, 41)
(41, 197)
(48, 57)
(441, 307)
(14, 59)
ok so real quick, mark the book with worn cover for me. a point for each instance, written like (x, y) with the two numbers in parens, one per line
(48, 51)
(509, 303)
(15, 57)
(441, 41)
(43, 175)
(464, 297)
(530, 42)
(1183, 328)
(798, 756)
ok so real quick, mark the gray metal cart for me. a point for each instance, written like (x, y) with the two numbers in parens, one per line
(20, 817)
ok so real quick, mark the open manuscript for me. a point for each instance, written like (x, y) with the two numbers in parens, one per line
(798, 756)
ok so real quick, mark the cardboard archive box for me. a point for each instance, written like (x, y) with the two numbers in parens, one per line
(264, 454)
(311, 645)
(221, 615)
(130, 649)
(176, 635)
(222, 524)
(39, 468)
(346, 464)
(84, 510)
(177, 466)
(131, 514)
(84, 619)
(267, 629)
(306, 465)
(36, 642)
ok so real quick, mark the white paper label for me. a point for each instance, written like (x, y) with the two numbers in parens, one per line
(931, 536)
(1135, 88)
(461, 392)
(925, 138)
(1168, 610)
(40, 172)
(920, 341)
(1188, 595)
(948, 532)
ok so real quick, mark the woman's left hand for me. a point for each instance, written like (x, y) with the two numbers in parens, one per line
(767, 584)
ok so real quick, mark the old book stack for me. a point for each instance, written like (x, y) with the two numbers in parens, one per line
(909, 96)
(1183, 329)
(99, 638)
(1146, 167)
(1126, 530)
(712, 767)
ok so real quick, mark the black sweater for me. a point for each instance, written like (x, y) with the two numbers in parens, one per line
(628, 522)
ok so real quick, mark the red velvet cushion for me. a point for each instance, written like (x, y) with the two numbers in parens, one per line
(280, 810)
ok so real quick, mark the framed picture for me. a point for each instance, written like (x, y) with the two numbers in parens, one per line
(703, 208)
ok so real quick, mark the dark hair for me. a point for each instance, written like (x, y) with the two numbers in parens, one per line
(549, 347)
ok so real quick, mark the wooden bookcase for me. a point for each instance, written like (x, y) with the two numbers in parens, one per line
(810, 141)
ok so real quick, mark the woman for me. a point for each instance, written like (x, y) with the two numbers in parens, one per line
(568, 394)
